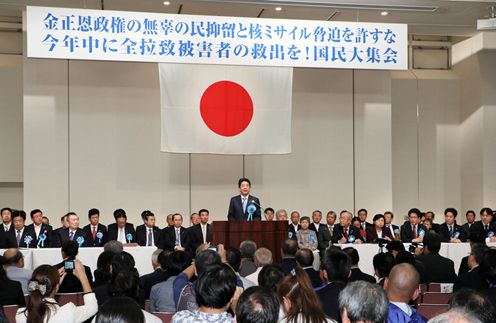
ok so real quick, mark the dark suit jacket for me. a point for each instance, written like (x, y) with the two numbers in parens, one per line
(477, 232)
(112, 232)
(490, 294)
(329, 297)
(446, 236)
(466, 228)
(372, 234)
(314, 277)
(472, 279)
(47, 230)
(168, 238)
(324, 237)
(438, 269)
(236, 213)
(195, 238)
(357, 274)
(288, 264)
(142, 235)
(406, 231)
(292, 232)
(146, 282)
(339, 231)
(11, 293)
(463, 266)
(392, 229)
(97, 242)
(63, 236)
(71, 283)
(12, 241)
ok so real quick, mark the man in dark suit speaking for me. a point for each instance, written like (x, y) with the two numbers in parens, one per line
(240, 205)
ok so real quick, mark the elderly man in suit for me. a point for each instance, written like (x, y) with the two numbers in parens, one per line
(240, 204)
(72, 233)
(345, 232)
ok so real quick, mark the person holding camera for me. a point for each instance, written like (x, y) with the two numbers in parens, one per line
(42, 306)
(71, 283)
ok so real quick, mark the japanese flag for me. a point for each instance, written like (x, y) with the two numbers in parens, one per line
(225, 109)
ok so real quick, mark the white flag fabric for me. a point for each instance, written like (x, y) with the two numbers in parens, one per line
(224, 109)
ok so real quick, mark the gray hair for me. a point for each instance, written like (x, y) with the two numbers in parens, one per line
(364, 301)
(454, 316)
(263, 256)
(114, 246)
(247, 248)
(155, 256)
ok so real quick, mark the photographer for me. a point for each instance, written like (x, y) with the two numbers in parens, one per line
(71, 283)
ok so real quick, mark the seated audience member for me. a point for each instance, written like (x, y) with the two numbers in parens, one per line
(488, 270)
(102, 272)
(394, 247)
(148, 234)
(402, 286)
(454, 316)
(345, 232)
(281, 215)
(71, 283)
(13, 263)
(121, 310)
(304, 257)
(262, 257)
(299, 301)
(247, 249)
(215, 290)
(294, 225)
(471, 301)
(159, 274)
(270, 277)
(10, 291)
(361, 301)
(257, 305)
(162, 294)
(394, 230)
(377, 231)
(233, 257)
(449, 230)
(175, 237)
(95, 231)
(306, 238)
(405, 257)
(470, 216)
(200, 233)
(473, 278)
(121, 230)
(113, 246)
(438, 269)
(72, 233)
(412, 230)
(42, 306)
(269, 214)
(19, 236)
(337, 266)
(42, 237)
(356, 273)
(484, 230)
(288, 252)
(382, 262)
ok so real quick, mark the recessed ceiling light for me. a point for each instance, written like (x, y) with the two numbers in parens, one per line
(278, 8)
(166, 3)
(384, 13)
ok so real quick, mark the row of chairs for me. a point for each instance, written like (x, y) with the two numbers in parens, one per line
(434, 299)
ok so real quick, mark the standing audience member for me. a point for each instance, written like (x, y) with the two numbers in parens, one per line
(13, 263)
(438, 269)
(262, 257)
(361, 301)
(337, 266)
(42, 306)
(299, 301)
(402, 286)
(247, 249)
(215, 291)
(257, 305)
(10, 291)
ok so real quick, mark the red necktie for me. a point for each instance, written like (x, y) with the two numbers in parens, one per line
(94, 233)
(414, 231)
(346, 233)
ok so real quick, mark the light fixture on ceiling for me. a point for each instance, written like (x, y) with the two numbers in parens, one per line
(278, 8)
(166, 3)
(384, 13)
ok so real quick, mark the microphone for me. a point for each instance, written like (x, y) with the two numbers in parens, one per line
(254, 202)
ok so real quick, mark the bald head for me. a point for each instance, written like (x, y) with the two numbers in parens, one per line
(402, 283)
(13, 257)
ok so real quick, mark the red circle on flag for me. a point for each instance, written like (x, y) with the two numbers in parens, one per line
(226, 108)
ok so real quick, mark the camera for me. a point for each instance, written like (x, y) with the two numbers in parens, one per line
(69, 265)
(414, 246)
(213, 248)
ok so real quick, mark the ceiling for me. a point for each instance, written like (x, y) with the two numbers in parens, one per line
(424, 17)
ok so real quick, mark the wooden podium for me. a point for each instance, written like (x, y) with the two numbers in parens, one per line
(268, 234)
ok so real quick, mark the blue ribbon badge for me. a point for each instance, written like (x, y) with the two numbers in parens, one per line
(490, 234)
(290, 235)
(80, 241)
(129, 237)
(251, 209)
(28, 240)
(99, 236)
(396, 231)
(351, 238)
(421, 233)
(41, 240)
(456, 234)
